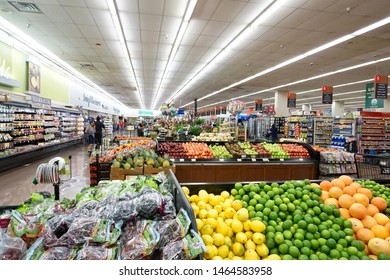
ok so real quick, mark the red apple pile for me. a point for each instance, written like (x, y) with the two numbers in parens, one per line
(295, 150)
(261, 151)
(186, 150)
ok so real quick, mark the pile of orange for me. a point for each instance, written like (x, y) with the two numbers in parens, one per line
(358, 205)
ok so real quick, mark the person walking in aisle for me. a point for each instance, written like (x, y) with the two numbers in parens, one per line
(90, 130)
(121, 125)
(274, 133)
(99, 131)
(140, 130)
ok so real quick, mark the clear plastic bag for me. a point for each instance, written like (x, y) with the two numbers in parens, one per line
(150, 204)
(187, 248)
(172, 230)
(88, 252)
(12, 248)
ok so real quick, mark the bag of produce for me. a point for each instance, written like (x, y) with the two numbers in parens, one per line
(141, 244)
(174, 229)
(22, 225)
(150, 203)
(12, 248)
(56, 253)
(89, 252)
(187, 248)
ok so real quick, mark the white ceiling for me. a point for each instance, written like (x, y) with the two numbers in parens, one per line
(82, 32)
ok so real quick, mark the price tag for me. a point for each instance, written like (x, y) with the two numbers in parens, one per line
(193, 159)
(282, 159)
(221, 159)
(265, 160)
(243, 156)
(253, 159)
(173, 159)
(301, 159)
(182, 159)
(239, 159)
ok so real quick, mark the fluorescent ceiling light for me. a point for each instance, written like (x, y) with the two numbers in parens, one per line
(179, 37)
(306, 54)
(119, 30)
(267, 11)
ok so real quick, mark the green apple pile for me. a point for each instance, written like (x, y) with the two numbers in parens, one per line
(220, 151)
(275, 150)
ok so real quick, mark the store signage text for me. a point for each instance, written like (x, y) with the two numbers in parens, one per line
(371, 101)
(40, 102)
(104, 106)
(259, 105)
(327, 94)
(90, 100)
(381, 83)
(291, 100)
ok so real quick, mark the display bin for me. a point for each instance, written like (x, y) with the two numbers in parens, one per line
(151, 170)
(116, 172)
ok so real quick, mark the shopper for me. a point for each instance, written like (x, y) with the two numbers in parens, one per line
(121, 126)
(90, 131)
(140, 130)
(274, 133)
(99, 131)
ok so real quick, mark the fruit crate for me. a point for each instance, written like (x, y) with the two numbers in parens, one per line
(151, 170)
(117, 172)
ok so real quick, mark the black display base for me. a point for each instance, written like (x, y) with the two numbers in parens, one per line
(20, 159)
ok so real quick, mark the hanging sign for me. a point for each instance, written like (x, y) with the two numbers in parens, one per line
(40, 102)
(291, 100)
(259, 105)
(370, 101)
(381, 83)
(327, 94)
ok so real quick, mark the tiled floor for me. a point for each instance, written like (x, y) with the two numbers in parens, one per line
(16, 185)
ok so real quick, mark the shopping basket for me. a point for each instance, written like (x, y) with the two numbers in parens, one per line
(373, 167)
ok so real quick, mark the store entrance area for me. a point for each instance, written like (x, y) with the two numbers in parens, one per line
(17, 184)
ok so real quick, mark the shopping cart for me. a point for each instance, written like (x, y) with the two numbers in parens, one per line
(373, 167)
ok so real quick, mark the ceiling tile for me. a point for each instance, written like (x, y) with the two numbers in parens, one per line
(90, 31)
(72, 3)
(227, 9)
(70, 30)
(174, 8)
(108, 33)
(214, 28)
(150, 22)
(56, 13)
(102, 18)
(151, 7)
(96, 4)
(149, 36)
(127, 6)
(130, 20)
(80, 15)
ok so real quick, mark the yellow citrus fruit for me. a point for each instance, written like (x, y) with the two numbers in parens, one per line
(237, 205)
(225, 194)
(194, 198)
(237, 226)
(220, 220)
(202, 205)
(214, 200)
(262, 250)
(218, 208)
(251, 255)
(242, 214)
(199, 224)
(229, 201)
(231, 232)
(228, 241)
(273, 257)
(208, 207)
(186, 190)
(217, 258)
(246, 225)
(258, 238)
(229, 222)
(257, 226)
(210, 253)
(241, 237)
(202, 214)
(236, 258)
(222, 215)
(207, 239)
(238, 249)
(230, 255)
(207, 229)
(249, 234)
(212, 222)
(222, 228)
(249, 244)
(218, 239)
(203, 193)
(195, 208)
(223, 251)
(212, 214)
(230, 212)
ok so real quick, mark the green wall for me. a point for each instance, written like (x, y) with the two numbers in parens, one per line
(54, 85)
(18, 69)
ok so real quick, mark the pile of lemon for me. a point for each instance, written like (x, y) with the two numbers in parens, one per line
(226, 229)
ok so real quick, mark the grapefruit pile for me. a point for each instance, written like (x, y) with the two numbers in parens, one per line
(358, 205)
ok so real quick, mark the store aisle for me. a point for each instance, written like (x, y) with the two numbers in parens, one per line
(16, 184)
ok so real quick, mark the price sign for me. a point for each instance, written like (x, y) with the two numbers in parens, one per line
(193, 159)
(253, 159)
(239, 160)
(327, 94)
(221, 159)
(265, 160)
(291, 100)
(243, 156)
(173, 159)
(182, 159)
(282, 159)
(381, 83)
(301, 159)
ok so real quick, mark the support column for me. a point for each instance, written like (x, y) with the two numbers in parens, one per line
(337, 108)
(306, 108)
(281, 108)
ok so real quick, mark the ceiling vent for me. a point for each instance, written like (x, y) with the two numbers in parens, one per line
(87, 66)
(25, 7)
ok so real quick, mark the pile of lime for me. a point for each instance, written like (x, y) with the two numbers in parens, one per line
(298, 224)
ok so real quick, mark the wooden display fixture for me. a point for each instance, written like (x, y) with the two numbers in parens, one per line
(151, 170)
(225, 172)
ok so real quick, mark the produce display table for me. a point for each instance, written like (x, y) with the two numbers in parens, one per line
(245, 170)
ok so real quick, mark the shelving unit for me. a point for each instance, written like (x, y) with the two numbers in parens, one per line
(279, 123)
(335, 164)
(374, 133)
(344, 132)
(323, 128)
(68, 124)
(300, 128)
